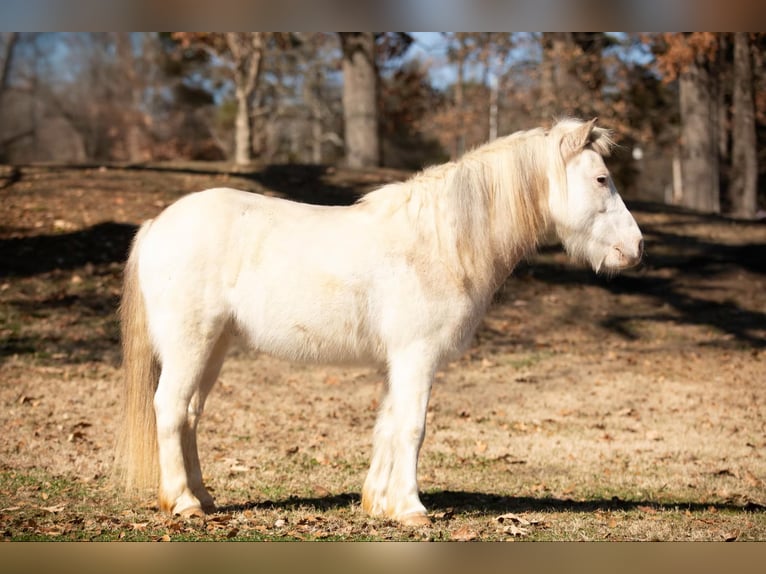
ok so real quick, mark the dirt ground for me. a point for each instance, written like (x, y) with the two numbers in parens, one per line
(589, 408)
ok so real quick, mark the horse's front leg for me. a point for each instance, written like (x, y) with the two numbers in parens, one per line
(391, 487)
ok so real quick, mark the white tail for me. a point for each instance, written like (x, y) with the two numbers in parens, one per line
(136, 461)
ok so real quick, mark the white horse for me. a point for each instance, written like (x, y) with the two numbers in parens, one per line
(401, 278)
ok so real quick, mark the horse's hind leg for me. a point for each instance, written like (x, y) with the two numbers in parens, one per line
(186, 364)
(189, 433)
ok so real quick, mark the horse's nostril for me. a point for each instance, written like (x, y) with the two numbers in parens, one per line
(640, 250)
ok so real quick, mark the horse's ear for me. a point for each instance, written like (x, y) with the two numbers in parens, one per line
(574, 141)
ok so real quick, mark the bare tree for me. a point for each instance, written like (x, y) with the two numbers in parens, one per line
(247, 53)
(245, 50)
(133, 118)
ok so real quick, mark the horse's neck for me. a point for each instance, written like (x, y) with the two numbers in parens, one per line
(477, 242)
(515, 222)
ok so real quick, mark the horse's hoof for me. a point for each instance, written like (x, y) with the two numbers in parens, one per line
(191, 512)
(415, 519)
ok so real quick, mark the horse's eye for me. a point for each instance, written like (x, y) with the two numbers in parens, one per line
(601, 180)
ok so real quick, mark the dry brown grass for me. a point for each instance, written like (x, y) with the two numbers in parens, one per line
(588, 409)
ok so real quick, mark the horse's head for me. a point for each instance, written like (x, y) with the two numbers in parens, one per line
(588, 214)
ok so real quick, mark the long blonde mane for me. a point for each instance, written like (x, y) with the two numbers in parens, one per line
(491, 206)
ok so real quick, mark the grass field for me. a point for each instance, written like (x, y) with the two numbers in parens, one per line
(588, 408)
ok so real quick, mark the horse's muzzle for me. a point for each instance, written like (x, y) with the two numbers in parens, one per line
(625, 256)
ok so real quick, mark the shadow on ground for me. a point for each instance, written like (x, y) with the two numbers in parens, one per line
(462, 502)
(106, 242)
(674, 281)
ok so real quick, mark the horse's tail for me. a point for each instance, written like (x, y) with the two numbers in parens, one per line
(136, 459)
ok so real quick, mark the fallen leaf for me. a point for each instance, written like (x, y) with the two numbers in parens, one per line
(310, 520)
(514, 530)
(731, 536)
(323, 459)
(54, 509)
(446, 515)
(752, 480)
(76, 435)
(220, 518)
(63, 225)
(175, 526)
(321, 491)
(510, 517)
(296, 534)
(464, 534)
(51, 530)
(725, 472)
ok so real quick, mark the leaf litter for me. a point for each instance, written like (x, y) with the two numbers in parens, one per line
(682, 424)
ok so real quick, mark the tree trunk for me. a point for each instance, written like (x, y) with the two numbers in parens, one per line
(461, 54)
(5, 67)
(315, 108)
(556, 81)
(243, 151)
(247, 52)
(743, 184)
(360, 87)
(493, 97)
(132, 117)
(699, 139)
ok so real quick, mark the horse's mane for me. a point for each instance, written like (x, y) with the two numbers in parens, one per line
(493, 196)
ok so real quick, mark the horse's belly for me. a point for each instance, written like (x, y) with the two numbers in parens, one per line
(307, 327)
(306, 343)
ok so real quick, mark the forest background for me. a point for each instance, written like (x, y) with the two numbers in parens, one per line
(688, 109)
